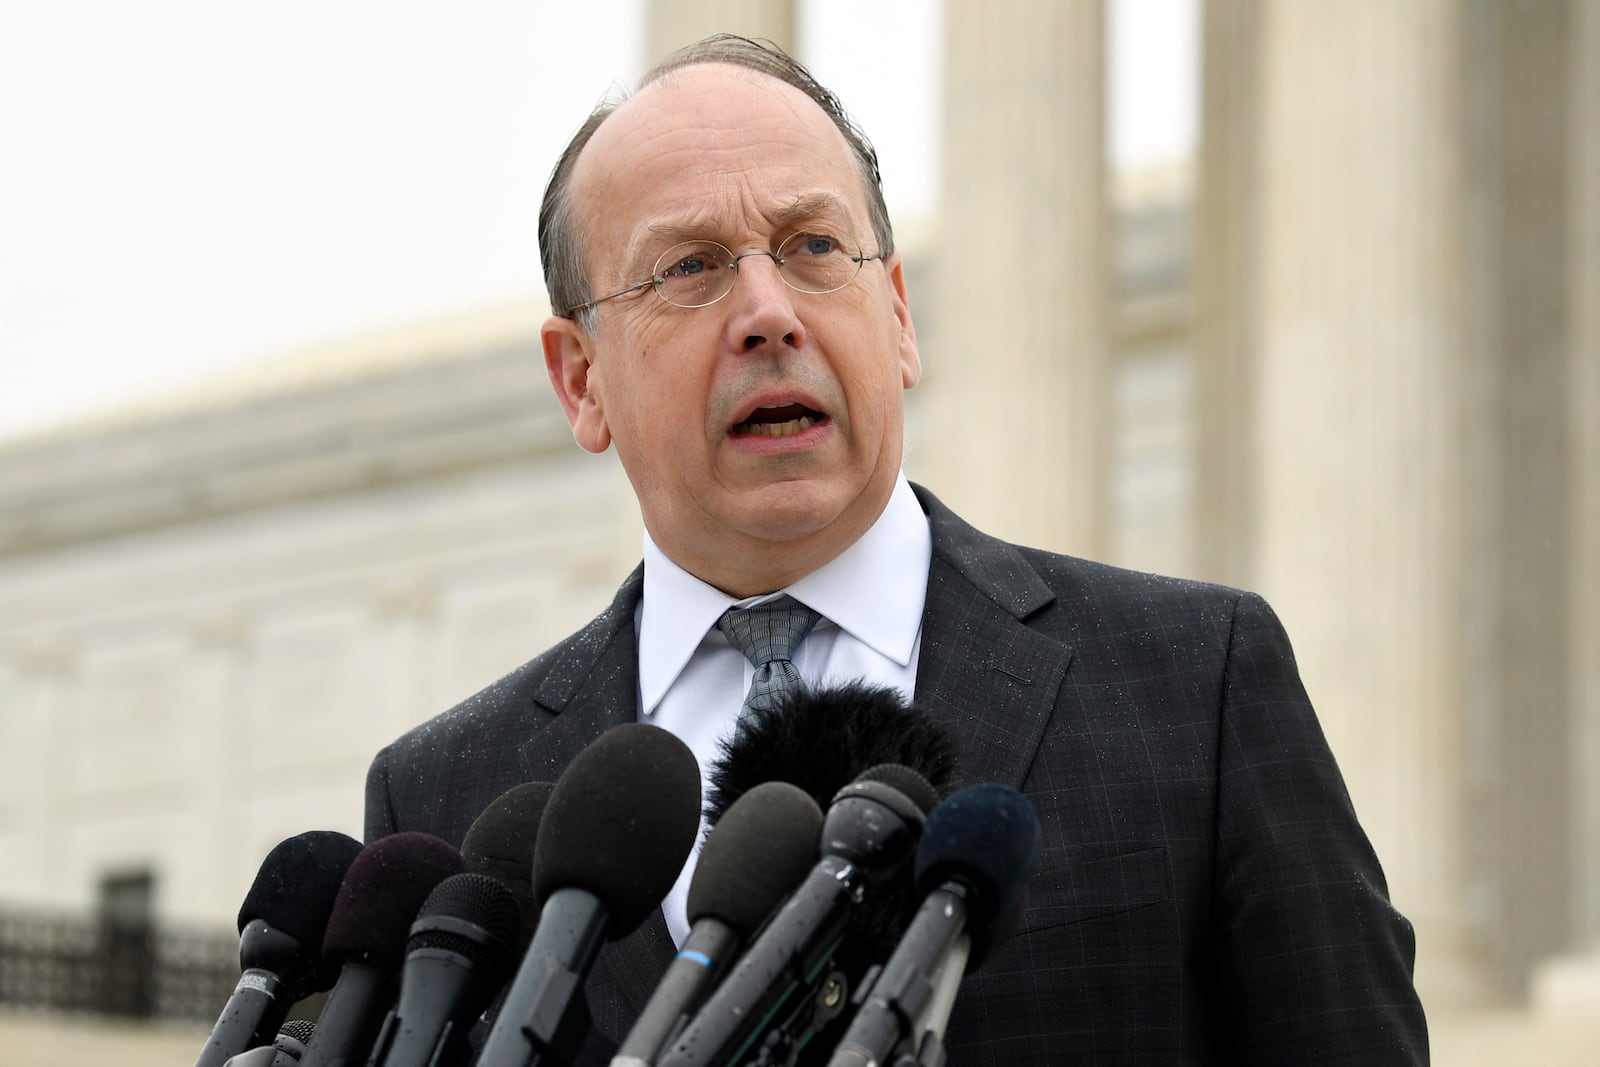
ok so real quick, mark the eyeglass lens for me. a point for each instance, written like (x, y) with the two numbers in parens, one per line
(697, 273)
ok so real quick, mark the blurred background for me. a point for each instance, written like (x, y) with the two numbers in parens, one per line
(1297, 295)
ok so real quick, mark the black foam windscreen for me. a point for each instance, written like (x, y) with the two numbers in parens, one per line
(380, 896)
(298, 882)
(620, 823)
(500, 844)
(906, 781)
(473, 898)
(986, 837)
(878, 921)
(822, 739)
(762, 849)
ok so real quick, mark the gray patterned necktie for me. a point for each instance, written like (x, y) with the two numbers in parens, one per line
(768, 634)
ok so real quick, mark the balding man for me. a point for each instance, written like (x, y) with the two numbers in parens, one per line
(732, 317)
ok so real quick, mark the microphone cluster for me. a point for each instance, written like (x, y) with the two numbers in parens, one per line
(835, 937)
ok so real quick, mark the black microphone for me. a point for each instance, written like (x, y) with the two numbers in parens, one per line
(867, 840)
(458, 957)
(285, 1050)
(366, 938)
(822, 739)
(762, 849)
(977, 853)
(280, 928)
(500, 844)
(293, 1036)
(261, 1056)
(615, 833)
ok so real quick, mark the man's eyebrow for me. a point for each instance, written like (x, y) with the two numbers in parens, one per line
(807, 207)
(678, 231)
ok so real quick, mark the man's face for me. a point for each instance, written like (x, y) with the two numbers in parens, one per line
(719, 153)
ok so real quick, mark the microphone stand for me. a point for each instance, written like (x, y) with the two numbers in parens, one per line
(935, 1014)
(825, 999)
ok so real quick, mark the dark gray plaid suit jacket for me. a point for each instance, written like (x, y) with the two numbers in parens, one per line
(1205, 894)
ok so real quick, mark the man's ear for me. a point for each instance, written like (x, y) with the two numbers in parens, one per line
(910, 358)
(569, 357)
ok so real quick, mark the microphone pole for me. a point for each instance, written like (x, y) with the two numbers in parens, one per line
(280, 928)
(285, 1050)
(867, 839)
(500, 844)
(901, 1001)
(457, 958)
(760, 850)
(366, 937)
(615, 833)
(977, 853)
(946, 982)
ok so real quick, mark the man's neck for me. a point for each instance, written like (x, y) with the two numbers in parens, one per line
(765, 567)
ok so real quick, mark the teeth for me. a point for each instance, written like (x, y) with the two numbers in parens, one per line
(781, 429)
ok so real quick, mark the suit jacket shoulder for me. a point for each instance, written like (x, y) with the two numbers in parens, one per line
(1018, 641)
(440, 775)
(1205, 891)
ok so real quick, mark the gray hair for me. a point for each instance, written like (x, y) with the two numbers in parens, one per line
(560, 247)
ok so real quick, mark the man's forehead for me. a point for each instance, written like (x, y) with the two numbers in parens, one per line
(690, 115)
(696, 91)
(695, 76)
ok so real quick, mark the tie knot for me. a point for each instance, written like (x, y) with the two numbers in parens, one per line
(768, 633)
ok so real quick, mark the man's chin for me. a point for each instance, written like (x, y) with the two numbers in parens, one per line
(786, 515)
(792, 511)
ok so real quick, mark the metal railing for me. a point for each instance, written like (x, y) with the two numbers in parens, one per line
(78, 964)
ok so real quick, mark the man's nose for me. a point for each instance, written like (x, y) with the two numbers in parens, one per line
(763, 305)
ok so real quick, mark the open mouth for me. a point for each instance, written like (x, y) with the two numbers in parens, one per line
(779, 420)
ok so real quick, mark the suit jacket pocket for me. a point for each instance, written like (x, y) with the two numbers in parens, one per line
(1095, 973)
(1085, 885)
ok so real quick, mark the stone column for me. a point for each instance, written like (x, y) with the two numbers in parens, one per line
(1331, 372)
(1225, 287)
(1394, 286)
(1572, 983)
(1012, 422)
(1584, 418)
(675, 23)
(1517, 92)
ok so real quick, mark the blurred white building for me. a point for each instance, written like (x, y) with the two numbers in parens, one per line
(217, 608)
(1350, 358)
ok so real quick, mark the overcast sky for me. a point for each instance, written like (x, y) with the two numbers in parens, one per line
(187, 184)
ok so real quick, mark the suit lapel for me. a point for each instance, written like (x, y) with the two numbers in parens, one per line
(980, 666)
(592, 686)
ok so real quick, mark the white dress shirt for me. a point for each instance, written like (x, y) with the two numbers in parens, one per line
(692, 681)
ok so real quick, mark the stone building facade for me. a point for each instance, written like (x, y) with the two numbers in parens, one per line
(1350, 360)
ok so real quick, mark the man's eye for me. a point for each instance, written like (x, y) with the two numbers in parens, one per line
(815, 244)
(691, 265)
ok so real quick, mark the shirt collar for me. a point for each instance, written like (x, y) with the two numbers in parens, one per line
(874, 590)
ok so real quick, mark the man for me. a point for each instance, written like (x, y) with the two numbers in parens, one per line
(732, 317)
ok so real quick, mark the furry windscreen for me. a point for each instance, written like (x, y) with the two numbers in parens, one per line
(822, 739)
